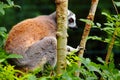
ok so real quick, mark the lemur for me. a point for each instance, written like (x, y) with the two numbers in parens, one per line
(35, 40)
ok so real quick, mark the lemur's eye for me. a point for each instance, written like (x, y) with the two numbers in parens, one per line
(71, 20)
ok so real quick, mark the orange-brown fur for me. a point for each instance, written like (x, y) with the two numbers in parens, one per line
(29, 31)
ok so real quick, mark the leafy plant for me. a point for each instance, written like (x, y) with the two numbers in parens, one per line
(109, 27)
(117, 3)
(3, 36)
(91, 70)
(8, 5)
(106, 69)
(9, 73)
(107, 72)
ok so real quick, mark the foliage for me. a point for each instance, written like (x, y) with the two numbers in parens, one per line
(113, 22)
(90, 70)
(8, 5)
(3, 35)
(9, 73)
(117, 3)
(93, 70)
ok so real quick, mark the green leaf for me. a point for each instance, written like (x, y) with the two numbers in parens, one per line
(100, 60)
(43, 78)
(87, 21)
(118, 32)
(32, 77)
(11, 3)
(98, 25)
(3, 29)
(107, 15)
(2, 32)
(108, 30)
(117, 3)
(94, 38)
(1, 8)
(109, 24)
(2, 11)
(2, 60)
(14, 56)
(111, 65)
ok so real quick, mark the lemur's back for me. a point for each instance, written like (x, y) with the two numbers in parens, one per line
(27, 32)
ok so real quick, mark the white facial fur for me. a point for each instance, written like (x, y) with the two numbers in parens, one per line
(71, 20)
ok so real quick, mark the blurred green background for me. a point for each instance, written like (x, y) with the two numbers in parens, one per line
(33, 8)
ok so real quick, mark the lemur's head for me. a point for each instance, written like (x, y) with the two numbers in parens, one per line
(71, 19)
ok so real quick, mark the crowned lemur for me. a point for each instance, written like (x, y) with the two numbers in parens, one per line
(35, 40)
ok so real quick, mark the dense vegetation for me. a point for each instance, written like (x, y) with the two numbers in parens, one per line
(105, 24)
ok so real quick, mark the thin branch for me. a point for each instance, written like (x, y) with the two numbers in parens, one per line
(110, 47)
(87, 29)
(115, 7)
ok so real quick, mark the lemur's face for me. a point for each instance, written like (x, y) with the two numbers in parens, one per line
(71, 20)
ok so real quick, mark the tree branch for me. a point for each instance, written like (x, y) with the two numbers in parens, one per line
(87, 29)
(110, 47)
(61, 10)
